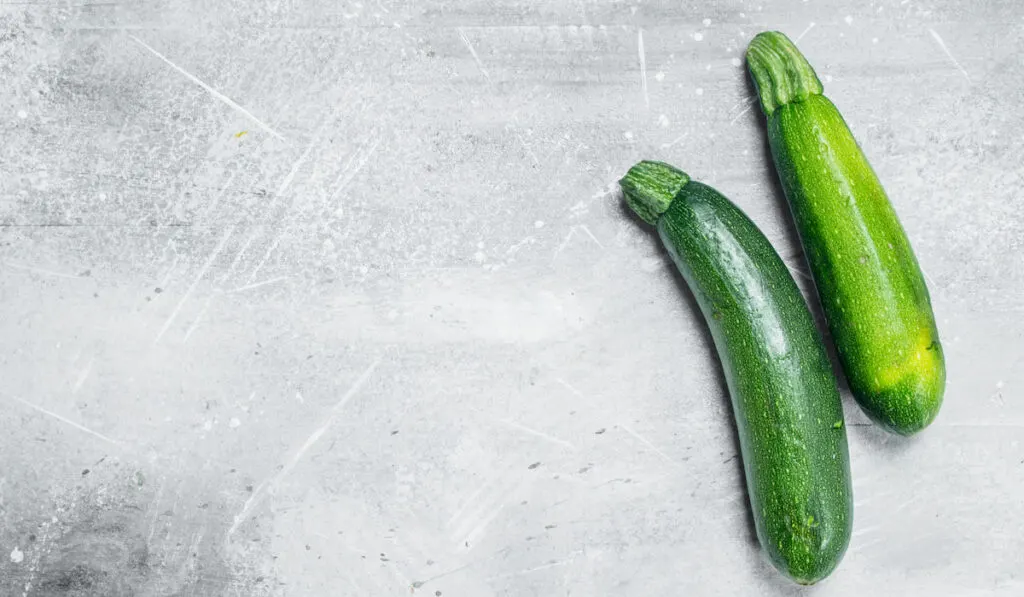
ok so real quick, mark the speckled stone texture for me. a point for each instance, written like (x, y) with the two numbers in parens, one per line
(308, 297)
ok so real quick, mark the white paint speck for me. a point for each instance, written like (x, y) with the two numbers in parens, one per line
(708, 67)
(538, 224)
(17, 556)
(828, 78)
(663, 121)
(207, 425)
(707, 22)
(234, 423)
(700, 91)
(628, 134)
(659, 76)
(736, 62)
(848, 19)
(480, 245)
(479, 257)
(1000, 384)
(22, 114)
(698, 36)
(874, 40)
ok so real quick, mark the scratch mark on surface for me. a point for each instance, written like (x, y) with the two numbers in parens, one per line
(471, 538)
(931, 283)
(551, 564)
(295, 168)
(740, 115)
(220, 283)
(82, 377)
(269, 484)
(68, 421)
(526, 146)
(571, 387)
(238, 256)
(565, 243)
(532, 431)
(904, 504)
(216, 200)
(209, 89)
(806, 31)
(584, 228)
(675, 141)
(860, 546)
(195, 323)
(647, 443)
(608, 189)
(419, 583)
(983, 425)
(170, 272)
(42, 271)
(471, 520)
(472, 50)
(154, 508)
(349, 173)
(512, 250)
(280, 194)
(942, 44)
(866, 530)
(263, 261)
(469, 500)
(190, 563)
(643, 65)
(750, 105)
(188, 293)
(258, 284)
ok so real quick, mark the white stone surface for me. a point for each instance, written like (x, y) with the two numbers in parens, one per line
(316, 297)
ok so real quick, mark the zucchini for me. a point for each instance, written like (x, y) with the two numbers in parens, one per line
(867, 277)
(784, 395)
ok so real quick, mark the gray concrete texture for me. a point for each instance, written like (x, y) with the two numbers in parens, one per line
(307, 297)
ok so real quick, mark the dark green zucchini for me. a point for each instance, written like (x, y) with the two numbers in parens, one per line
(784, 394)
(868, 280)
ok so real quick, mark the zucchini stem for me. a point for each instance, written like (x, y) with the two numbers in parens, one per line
(650, 188)
(781, 73)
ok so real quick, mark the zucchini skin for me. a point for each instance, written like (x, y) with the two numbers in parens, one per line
(784, 395)
(868, 280)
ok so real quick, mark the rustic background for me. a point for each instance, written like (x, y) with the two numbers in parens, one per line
(317, 297)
